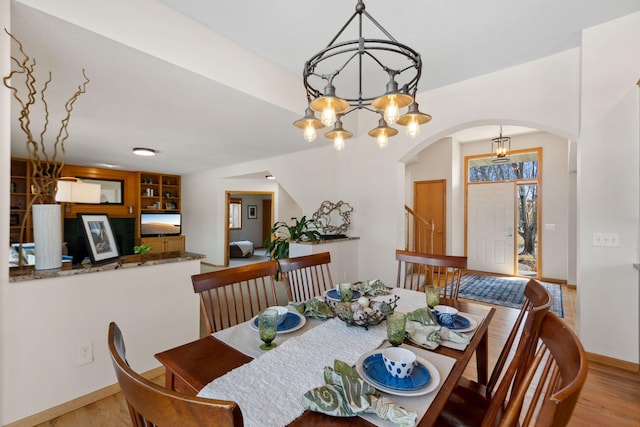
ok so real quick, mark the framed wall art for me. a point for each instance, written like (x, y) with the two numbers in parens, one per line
(98, 237)
(252, 211)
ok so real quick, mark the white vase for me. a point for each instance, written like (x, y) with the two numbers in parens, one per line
(47, 236)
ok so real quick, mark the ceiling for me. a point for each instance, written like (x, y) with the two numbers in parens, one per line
(196, 122)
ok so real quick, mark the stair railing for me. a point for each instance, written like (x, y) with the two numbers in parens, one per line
(418, 232)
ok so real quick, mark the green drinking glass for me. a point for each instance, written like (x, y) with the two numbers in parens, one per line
(268, 328)
(396, 323)
(433, 295)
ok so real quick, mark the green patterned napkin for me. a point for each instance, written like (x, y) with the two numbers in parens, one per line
(373, 287)
(345, 394)
(423, 329)
(314, 308)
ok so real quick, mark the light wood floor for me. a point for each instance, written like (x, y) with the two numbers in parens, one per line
(610, 396)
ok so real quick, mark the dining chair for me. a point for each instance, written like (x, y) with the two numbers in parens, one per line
(153, 405)
(306, 276)
(417, 270)
(547, 400)
(234, 295)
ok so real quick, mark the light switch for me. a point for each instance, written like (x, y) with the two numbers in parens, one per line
(549, 226)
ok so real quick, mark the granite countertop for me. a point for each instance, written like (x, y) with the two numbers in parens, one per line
(17, 274)
(323, 241)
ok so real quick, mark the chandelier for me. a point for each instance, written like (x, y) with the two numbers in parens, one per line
(500, 148)
(325, 67)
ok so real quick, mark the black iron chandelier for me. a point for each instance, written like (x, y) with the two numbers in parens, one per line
(500, 148)
(325, 66)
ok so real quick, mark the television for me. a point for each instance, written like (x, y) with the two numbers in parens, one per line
(160, 224)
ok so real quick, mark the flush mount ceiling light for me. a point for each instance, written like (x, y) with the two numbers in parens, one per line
(500, 148)
(325, 66)
(140, 151)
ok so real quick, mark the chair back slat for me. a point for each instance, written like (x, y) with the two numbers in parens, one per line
(150, 404)
(306, 276)
(536, 305)
(234, 295)
(549, 391)
(417, 270)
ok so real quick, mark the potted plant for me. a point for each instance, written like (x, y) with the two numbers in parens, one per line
(301, 230)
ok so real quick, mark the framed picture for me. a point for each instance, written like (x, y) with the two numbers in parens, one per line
(98, 237)
(169, 206)
(14, 219)
(252, 211)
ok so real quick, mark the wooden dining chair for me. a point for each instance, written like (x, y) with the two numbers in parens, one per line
(153, 405)
(417, 270)
(306, 276)
(523, 392)
(234, 295)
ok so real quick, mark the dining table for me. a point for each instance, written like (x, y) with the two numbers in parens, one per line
(196, 366)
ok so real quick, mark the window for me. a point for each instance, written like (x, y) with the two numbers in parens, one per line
(523, 166)
(235, 214)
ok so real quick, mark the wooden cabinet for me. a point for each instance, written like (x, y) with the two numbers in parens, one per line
(19, 195)
(164, 243)
(159, 192)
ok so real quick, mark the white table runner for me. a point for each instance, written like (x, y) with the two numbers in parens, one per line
(269, 389)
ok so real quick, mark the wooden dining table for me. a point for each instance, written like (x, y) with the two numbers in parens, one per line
(192, 366)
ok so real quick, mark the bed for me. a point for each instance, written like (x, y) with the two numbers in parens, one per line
(241, 249)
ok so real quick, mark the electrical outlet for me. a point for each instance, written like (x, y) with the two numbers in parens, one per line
(606, 239)
(84, 355)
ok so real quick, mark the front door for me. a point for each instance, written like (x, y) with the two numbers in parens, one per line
(490, 227)
(429, 200)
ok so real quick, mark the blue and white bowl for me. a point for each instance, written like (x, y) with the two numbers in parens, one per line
(446, 315)
(282, 312)
(398, 361)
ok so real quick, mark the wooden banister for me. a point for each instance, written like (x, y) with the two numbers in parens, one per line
(423, 230)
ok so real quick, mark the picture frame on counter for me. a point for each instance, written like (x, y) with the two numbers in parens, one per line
(99, 238)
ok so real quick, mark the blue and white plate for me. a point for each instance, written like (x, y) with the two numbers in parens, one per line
(292, 322)
(373, 367)
(333, 294)
(376, 375)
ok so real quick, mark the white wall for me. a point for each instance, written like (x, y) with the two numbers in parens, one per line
(608, 188)
(5, 167)
(45, 321)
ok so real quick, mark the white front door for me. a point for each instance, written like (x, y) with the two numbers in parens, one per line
(490, 226)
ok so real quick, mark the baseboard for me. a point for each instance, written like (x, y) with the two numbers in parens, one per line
(616, 363)
(79, 402)
(551, 280)
(210, 265)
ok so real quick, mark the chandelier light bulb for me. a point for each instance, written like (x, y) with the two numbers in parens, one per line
(328, 117)
(392, 111)
(413, 128)
(338, 143)
(310, 132)
(382, 140)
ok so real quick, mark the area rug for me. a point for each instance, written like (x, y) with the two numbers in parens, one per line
(507, 292)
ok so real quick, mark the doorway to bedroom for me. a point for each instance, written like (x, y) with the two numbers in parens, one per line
(248, 222)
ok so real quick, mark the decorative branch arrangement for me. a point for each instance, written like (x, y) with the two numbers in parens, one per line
(46, 164)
